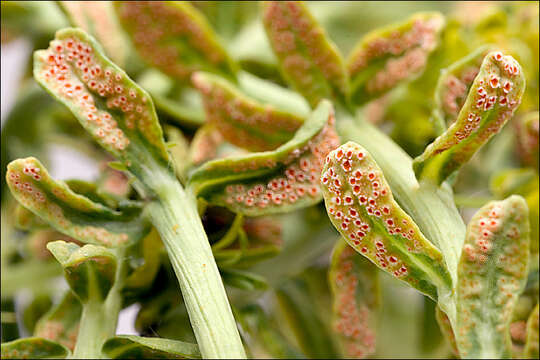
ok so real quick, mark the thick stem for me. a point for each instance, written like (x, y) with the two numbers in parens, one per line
(175, 216)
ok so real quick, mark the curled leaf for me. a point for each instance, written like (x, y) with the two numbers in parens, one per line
(531, 345)
(309, 60)
(138, 347)
(61, 323)
(492, 272)
(493, 97)
(362, 208)
(446, 328)
(174, 37)
(98, 18)
(272, 181)
(392, 55)
(89, 270)
(243, 121)
(33, 348)
(354, 284)
(117, 112)
(68, 212)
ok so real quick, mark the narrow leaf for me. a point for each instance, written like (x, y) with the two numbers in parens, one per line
(446, 329)
(117, 112)
(355, 288)
(89, 270)
(98, 18)
(309, 60)
(275, 181)
(531, 346)
(388, 57)
(137, 347)
(61, 323)
(33, 348)
(492, 272)
(361, 206)
(241, 120)
(68, 212)
(174, 37)
(493, 97)
(243, 280)
(528, 138)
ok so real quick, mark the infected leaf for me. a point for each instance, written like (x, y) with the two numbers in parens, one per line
(274, 181)
(309, 60)
(446, 329)
(531, 345)
(362, 208)
(33, 348)
(492, 272)
(528, 138)
(493, 97)
(138, 347)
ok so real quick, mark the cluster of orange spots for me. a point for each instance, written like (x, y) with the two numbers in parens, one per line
(264, 229)
(481, 241)
(242, 121)
(358, 199)
(71, 69)
(55, 331)
(528, 136)
(300, 178)
(420, 36)
(455, 90)
(352, 320)
(29, 195)
(301, 45)
(163, 33)
(99, 235)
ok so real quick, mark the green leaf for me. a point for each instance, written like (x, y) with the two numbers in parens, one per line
(243, 280)
(137, 347)
(309, 60)
(89, 270)
(241, 120)
(174, 37)
(33, 348)
(531, 346)
(179, 150)
(40, 304)
(61, 322)
(362, 208)
(388, 57)
(150, 249)
(118, 113)
(493, 97)
(72, 214)
(205, 144)
(275, 181)
(492, 272)
(26, 220)
(98, 18)
(355, 289)
(446, 329)
(453, 86)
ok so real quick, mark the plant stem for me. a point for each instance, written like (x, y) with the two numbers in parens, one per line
(174, 214)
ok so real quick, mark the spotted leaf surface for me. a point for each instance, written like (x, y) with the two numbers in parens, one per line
(61, 323)
(531, 346)
(493, 97)
(241, 120)
(89, 270)
(98, 18)
(392, 55)
(309, 60)
(492, 272)
(174, 37)
(361, 206)
(70, 213)
(274, 181)
(354, 284)
(117, 112)
(528, 137)
(454, 84)
(138, 347)
(33, 348)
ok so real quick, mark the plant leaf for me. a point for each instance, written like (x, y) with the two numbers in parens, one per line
(361, 206)
(355, 289)
(98, 18)
(174, 37)
(493, 97)
(117, 112)
(390, 56)
(528, 128)
(68, 212)
(241, 120)
(446, 329)
(89, 270)
(33, 348)
(138, 347)
(492, 272)
(243, 280)
(61, 323)
(309, 60)
(275, 181)
(531, 346)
